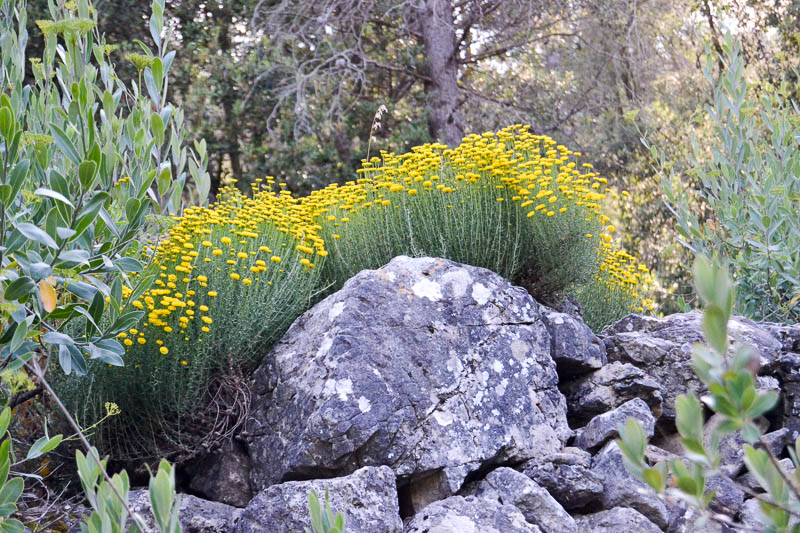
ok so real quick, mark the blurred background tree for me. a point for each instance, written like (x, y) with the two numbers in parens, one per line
(289, 87)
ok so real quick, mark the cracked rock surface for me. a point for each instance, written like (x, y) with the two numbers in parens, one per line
(662, 348)
(422, 365)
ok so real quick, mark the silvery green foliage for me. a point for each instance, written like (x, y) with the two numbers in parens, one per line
(729, 375)
(323, 519)
(84, 161)
(11, 489)
(751, 188)
(109, 500)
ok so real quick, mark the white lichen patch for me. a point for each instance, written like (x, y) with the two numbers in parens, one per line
(459, 281)
(519, 349)
(478, 398)
(336, 310)
(324, 346)
(364, 405)
(426, 288)
(443, 418)
(497, 366)
(454, 364)
(481, 293)
(501, 388)
(341, 388)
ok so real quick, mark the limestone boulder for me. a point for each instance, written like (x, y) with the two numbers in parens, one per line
(423, 365)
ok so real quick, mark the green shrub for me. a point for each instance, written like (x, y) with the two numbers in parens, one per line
(229, 281)
(512, 202)
(751, 191)
(733, 395)
(80, 152)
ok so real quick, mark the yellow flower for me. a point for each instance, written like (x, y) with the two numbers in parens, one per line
(212, 293)
(235, 276)
(164, 350)
(275, 259)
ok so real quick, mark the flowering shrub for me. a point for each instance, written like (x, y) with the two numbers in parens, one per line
(512, 202)
(232, 277)
(228, 279)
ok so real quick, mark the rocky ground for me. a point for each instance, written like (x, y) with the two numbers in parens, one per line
(429, 396)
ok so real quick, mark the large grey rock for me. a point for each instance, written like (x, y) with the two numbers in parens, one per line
(196, 515)
(422, 365)
(787, 334)
(367, 498)
(621, 489)
(616, 520)
(223, 476)
(571, 483)
(604, 427)
(607, 388)
(662, 347)
(537, 505)
(575, 349)
(728, 496)
(469, 515)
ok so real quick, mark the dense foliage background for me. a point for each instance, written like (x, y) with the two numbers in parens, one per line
(289, 88)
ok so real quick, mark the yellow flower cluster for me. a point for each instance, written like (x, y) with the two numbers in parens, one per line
(243, 242)
(244, 239)
(541, 177)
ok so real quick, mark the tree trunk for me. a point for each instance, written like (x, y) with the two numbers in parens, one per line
(437, 29)
(229, 96)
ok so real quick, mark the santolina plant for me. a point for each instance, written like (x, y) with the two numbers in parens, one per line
(230, 279)
(512, 202)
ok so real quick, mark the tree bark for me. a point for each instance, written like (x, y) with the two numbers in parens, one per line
(438, 33)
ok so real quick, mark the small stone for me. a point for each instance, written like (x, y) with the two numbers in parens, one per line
(508, 486)
(621, 489)
(604, 427)
(367, 498)
(438, 486)
(196, 515)
(731, 446)
(607, 388)
(749, 481)
(616, 520)
(223, 476)
(469, 515)
(573, 486)
(574, 348)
